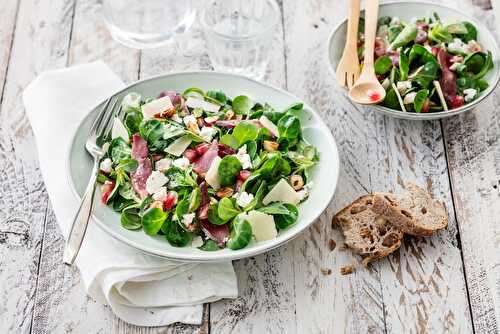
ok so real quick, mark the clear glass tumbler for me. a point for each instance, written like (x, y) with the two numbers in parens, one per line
(238, 34)
(143, 24)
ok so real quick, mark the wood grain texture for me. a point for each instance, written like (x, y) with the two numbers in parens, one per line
(61, 302)
(40, 42)
(421, 288)
(473, 150)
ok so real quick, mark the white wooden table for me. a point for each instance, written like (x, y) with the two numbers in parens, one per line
(447, 283)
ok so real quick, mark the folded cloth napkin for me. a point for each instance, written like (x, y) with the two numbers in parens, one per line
(141, 289)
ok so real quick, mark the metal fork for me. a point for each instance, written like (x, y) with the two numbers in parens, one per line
(348, 67)
(99, 131)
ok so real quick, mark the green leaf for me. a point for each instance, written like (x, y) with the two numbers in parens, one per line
(128, 165)
(406, 36)
(425, 74)
(383, 65)
(133, 121)
(439, 34)
(193, 91)
(131, 102)
(176, 235)
(245, 131)
(242, 105)
(229, 140)
(126, 191)
(213, 216)
(404, 66)
(217, 95)
(471, 32)
(130, 220)
(420, 54)
(478, 64)
(194, 199)
(182, 208)
(289, 127)
(226, 209)
(209, 246)
(420, 99)
(391, 100)
(151, 130)
(257, 199)
(241, 233)
(152, 220)
(282, 221)
(456, 28)
(275, 209)
(119, 149)
(229, 167)
(393, 32)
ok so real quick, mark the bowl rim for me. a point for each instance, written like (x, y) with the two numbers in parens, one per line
(440, 114)
(209, 256)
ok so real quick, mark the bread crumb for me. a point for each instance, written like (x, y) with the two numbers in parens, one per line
(347, 270)
(326, 271)
(332, 244)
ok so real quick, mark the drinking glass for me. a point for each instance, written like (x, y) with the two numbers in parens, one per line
(238, 34)
(144, 24)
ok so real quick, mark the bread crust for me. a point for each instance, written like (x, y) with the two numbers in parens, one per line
(366, 232)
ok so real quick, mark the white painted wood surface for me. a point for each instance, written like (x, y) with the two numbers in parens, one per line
(447, 283)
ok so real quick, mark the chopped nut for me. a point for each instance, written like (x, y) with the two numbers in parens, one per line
(326, 271)
(169, 112)
(347, 270)
(193, 127)
(332, 244)
(229, 115)
(297, 182)
(225, 192)
(270, 146)
(156, 204)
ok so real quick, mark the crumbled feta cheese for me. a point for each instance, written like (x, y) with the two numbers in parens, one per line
(409, 98)
(105, 165)
(244, 158)
(155, 181)
(470, 94)
(403, 86)
(160, 194)
(303, 194)
(197, 242)
(189, 119)
(458, 46)
(176, 118)
(207, 133)
(395, 21)
(181, 163)
(163, 164)
(187, 219)
(244, 199)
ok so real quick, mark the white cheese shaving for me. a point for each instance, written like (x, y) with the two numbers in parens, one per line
(181, 163)
(155, 181)
(157, 106)
(244, 199)
(163, 164)
(105, 165)
(193, 102)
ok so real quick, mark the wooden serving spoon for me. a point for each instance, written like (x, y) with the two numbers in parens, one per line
(367, 89)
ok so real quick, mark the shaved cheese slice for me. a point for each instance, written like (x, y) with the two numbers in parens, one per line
(266, 122)
(193, 102)
(157, 106)
(119, 130)
(178, 146)
(212, 176)
(282, 192)
(263, 226)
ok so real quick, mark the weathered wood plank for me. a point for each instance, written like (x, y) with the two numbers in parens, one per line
(61, 301)
(421, 287)
(265, 282)
(473, 150)
(23, 201)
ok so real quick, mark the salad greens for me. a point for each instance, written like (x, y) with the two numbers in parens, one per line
(428, 65)
(203, 170)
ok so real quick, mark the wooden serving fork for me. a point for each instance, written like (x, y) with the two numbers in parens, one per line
(348, 67)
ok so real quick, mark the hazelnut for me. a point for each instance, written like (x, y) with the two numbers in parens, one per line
(297, 182)
(169, 112)
(156, 204)
(225, 192)
(229, 115)
(270, 146)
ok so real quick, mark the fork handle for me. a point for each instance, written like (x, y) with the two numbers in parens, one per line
(353, 23)
(81, 220)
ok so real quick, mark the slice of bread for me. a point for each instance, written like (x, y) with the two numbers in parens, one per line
(367, 232)
(415, 213)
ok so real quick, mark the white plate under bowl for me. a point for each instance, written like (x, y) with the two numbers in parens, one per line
(325, 174)
(406, 11)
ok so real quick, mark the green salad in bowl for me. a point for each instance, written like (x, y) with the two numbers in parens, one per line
(428, 65)
(206, 170)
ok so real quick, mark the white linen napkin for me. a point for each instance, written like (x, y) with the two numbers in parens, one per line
(141, 289)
